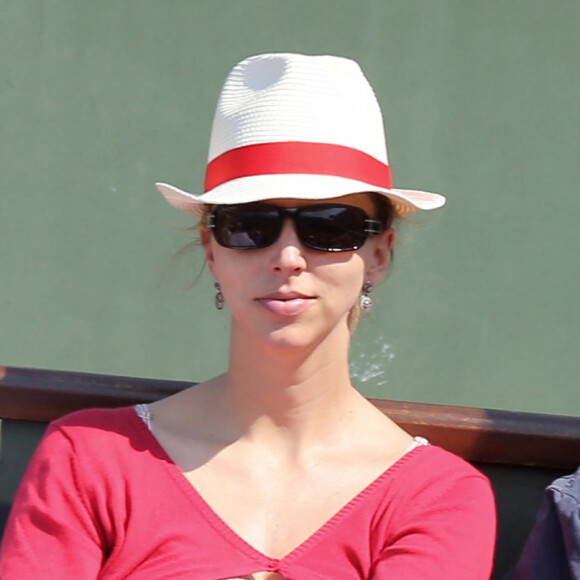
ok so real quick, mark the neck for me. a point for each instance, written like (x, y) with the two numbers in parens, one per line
(293, 389)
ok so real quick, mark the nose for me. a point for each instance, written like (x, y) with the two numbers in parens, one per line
(288, 255)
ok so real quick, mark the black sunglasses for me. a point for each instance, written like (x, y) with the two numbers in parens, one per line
(327, 227)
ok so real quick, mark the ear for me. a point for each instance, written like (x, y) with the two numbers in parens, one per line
(380, 258)
(206, 242)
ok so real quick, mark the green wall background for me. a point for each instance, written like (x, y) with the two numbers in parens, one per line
(98, 100)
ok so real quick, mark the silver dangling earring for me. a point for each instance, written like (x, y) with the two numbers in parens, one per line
(366, 302)
(219, 297)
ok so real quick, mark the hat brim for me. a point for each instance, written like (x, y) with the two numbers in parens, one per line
(295, 186)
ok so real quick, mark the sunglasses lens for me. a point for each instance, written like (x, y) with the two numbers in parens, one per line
(247, 226)
(332, 228)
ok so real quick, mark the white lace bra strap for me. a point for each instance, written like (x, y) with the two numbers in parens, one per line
(144, 413)
(417, 442)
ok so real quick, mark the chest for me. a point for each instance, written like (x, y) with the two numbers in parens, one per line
(276, 510)
(184, 536)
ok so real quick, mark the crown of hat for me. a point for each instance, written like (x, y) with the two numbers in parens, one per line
(277, 98)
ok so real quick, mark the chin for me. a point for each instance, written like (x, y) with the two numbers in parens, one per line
(286, 341)
(296, 338)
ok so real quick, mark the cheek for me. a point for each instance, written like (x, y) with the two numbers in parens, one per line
(235, 271)
(222, 261)
(346, 280)
(229, 276)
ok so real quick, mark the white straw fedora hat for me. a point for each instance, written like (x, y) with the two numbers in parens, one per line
(296, 126)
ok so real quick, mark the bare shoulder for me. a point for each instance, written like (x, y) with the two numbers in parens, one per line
(186, 424)
(378, 433)
(187, 410)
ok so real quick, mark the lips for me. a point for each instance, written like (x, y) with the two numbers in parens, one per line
(286, 303)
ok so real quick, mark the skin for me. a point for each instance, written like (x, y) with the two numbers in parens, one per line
(285, 418)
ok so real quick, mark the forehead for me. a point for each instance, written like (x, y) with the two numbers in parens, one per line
(362, 200)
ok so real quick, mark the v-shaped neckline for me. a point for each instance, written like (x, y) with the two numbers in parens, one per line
(229, 534)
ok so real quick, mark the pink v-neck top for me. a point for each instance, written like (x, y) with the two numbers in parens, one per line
(102, 500)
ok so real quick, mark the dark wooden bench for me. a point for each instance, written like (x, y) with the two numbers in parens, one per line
(520, 452)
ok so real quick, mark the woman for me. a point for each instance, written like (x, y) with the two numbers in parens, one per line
(278, 468)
